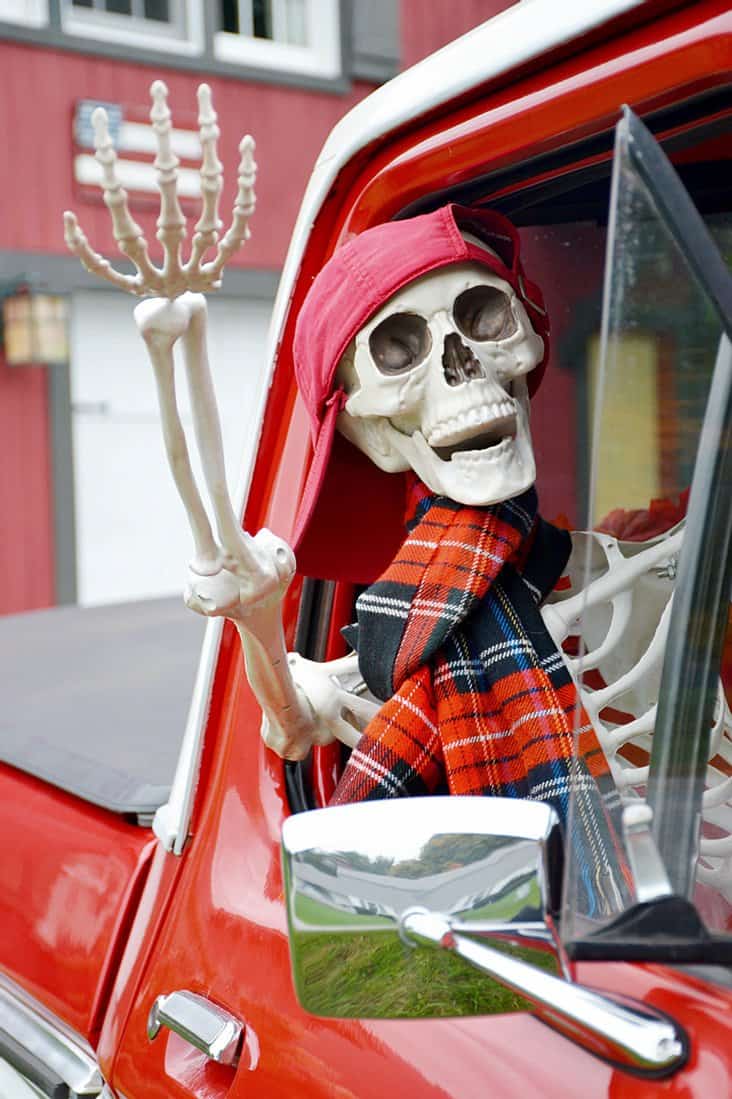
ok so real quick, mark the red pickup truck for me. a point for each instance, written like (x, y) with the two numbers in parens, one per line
(144, 912)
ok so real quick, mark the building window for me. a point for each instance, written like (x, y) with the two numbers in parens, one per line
(33, 13)
(277, 20)
(285, 35)
(139, 9)
(164, 12)
(160, 24)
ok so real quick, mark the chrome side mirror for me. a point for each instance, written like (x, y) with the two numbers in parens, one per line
(357, 876)
(474, 880)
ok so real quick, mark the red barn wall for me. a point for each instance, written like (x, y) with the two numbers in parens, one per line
(428, 27)
(26, 534)
(289, 124)
(39, 87)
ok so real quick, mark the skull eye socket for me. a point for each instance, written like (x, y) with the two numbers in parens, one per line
(400, 342)
(484, 313)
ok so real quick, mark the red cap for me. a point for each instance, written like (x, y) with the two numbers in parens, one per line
(350, 521)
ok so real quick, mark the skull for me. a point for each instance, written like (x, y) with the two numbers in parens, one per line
(436, 383)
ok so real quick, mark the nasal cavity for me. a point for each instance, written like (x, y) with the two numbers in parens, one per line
(458, 361)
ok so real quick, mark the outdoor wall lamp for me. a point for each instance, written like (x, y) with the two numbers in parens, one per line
(34, 326)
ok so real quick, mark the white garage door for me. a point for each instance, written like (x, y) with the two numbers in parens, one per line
(132, 536)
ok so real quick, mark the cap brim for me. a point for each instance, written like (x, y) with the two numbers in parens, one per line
(350, 522)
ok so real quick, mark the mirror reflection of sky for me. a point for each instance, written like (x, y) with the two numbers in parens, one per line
(400, 830)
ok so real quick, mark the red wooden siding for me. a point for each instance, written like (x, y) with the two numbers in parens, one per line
(428, 27)
(26, 565)
(39, 88)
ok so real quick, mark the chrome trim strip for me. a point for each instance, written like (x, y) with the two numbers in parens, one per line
(48, 1039)
(632, 1035)
(172, 820)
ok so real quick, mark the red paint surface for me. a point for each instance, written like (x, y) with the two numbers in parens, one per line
(289, 125)
(225, 937)
(26, 524)
(511, 123)
(70, 877)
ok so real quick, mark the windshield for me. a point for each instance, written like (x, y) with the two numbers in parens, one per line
(649, 378)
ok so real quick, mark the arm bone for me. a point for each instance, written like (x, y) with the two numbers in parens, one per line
(245, 578)
(207, 426)
(161, 323)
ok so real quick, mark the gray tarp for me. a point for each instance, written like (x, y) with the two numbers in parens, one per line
(95, 699)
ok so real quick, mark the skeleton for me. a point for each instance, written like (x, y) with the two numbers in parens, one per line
(436, 382)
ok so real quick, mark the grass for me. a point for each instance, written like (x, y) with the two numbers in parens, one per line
(377, 976)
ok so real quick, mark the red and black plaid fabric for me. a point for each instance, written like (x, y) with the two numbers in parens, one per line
(478, 698)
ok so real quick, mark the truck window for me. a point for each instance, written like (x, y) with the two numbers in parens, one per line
(650, 420)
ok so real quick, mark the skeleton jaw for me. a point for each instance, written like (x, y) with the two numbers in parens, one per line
(498, 467)
(480, 476)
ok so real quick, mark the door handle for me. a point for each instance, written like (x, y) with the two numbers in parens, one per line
(204, 1025)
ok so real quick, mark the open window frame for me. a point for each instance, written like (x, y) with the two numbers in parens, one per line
(689, 124)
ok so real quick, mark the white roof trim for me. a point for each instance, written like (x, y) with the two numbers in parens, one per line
(519, 34)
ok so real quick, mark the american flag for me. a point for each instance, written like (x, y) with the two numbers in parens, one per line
(135, 145)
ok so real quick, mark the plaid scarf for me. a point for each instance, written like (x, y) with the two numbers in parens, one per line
(478, 698)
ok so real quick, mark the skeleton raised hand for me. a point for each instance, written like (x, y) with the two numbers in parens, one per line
(174, 277)
(232, 574)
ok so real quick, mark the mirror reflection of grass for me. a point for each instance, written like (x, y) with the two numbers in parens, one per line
(313, 913)
(525, 897)
(378, 976)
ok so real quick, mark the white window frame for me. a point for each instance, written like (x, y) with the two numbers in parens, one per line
(31, 13)
(322, 58)
(183, 34)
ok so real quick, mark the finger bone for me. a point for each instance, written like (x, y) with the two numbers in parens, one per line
(244, 206)
(78, 244)
(127, 232)
(171, 222)
(209, 224)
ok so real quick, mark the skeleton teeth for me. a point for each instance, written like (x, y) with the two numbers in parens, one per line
(474, 421)
(472, 458)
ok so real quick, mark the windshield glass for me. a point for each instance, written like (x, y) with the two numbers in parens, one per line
(648, 379)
